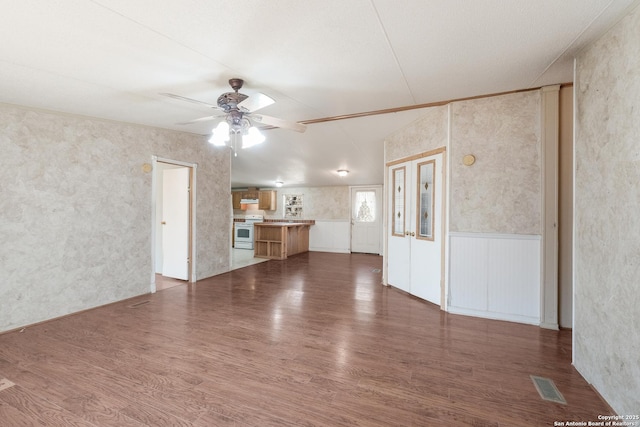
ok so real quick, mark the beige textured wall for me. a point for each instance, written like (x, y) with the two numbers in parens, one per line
(320, 203)
(607, 202)
(501, 192)
(75, 211)
(425, 134)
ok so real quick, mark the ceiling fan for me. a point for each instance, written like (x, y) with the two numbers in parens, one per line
(239, 111)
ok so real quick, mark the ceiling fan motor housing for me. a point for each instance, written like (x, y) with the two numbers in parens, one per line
(229, 101)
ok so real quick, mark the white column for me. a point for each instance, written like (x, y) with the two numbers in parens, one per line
(550, 126)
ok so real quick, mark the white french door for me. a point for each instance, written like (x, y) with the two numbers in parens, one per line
(415, 242)
(399, 244)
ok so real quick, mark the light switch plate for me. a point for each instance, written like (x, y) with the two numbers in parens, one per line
(5, 383)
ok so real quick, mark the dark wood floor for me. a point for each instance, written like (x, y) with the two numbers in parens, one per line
(315, 340)
(163, 282)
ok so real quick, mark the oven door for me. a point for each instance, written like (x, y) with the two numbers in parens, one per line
(244, 236)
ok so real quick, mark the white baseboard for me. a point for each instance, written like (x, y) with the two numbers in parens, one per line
(495, 316)
(333, 250)
(553, 326)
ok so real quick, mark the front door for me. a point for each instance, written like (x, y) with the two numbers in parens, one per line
(366, 219)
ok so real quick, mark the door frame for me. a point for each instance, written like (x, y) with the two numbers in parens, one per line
(379, 213)
(192, 216)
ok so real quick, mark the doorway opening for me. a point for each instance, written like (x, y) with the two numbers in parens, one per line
(173, 218)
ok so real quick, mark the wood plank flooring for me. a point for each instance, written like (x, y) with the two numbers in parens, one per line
(314, 340)
(163, 282)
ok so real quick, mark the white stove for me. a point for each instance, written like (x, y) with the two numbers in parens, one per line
(244, 231)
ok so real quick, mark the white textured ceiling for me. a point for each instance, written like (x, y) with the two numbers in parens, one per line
(317, 58)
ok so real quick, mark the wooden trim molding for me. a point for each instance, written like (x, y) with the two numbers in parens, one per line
(415, 106)
(417, 156)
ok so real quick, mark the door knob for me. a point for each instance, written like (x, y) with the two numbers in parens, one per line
(413, 234)
(164, 223)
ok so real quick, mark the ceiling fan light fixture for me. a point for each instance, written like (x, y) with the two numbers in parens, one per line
(220, 134)
(343, 172)
(253, 137)
(236, 129)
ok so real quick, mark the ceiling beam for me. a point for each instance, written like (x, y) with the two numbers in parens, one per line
(413, 107)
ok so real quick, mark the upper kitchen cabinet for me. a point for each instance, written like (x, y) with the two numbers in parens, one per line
(267, 200)
(251, 193)
(236, 196)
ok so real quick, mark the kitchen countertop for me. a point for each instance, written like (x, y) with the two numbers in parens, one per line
(280, 224)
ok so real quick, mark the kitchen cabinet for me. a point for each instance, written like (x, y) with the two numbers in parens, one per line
(279, 240)
(267, 200)
(250, 194)
(236, 196)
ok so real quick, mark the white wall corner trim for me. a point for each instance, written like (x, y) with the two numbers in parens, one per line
(550, 133)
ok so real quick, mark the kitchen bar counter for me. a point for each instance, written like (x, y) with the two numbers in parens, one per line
(281, 224)
(279, 240)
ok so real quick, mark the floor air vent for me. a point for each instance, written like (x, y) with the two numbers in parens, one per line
(548, 390)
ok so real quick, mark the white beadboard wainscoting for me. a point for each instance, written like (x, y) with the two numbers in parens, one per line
(495, 276)
(330, 236)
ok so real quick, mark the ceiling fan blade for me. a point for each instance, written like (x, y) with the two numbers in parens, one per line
(201, 119)
(256, 102)
(279, 123)
(195, 101)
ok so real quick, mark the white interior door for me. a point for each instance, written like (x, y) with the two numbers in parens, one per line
(426, 233)
(365, 219)
(415, 244)
(175, 223)
(399, 243)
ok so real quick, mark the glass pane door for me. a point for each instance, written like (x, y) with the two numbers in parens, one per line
(399, 197)
(365, 206)
(424, 207)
